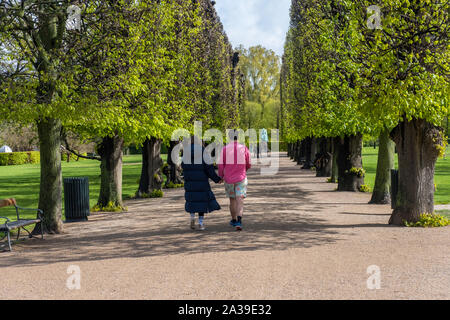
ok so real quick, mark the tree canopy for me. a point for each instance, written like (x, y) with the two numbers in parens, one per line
(123, 70)
(261, 70)
(342, 76)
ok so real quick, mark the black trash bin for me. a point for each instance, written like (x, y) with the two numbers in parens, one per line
(76, 199)
(394, 187)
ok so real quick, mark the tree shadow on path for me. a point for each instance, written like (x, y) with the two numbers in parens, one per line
(277, 218)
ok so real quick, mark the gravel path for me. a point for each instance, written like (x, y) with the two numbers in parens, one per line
(301, 240)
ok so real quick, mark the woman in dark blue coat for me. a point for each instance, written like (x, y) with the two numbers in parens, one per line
(198, 194)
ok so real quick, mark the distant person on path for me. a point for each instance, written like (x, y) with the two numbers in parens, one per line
(7, 202)
(253, 145)
(264, 140)
(253, 148)
(233, 165)
(198, 194)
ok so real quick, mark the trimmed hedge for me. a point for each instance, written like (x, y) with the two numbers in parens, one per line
(18, 158)
(35, 157)
(29, 157)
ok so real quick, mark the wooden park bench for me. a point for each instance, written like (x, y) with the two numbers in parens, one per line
(20, 224)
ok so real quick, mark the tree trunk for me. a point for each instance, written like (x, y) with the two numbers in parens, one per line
(299, 145)
(298, 151)
(302, 150)
(294, 151)
(349, 156)
(324, 159)
(151, 175)
(49, 132)
(110, 151)
(263, 107)
(307, 151)
(386, 153)
(313, 150)
(173, 171)
(418, 144)
(335, 152)
(50, 194)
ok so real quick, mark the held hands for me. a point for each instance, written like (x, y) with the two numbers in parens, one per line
(7, 202)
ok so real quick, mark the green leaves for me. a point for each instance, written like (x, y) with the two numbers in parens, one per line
(341, 77)
(138, 71)
(429, 220)
(261, 70)
(322, 82)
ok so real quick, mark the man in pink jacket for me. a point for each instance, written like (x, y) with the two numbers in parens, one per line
(233, 165)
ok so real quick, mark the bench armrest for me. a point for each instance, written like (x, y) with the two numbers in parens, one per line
(7, 219)
(40, 213)
(6, 222)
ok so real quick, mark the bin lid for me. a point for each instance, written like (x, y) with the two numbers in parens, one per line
(75, 179)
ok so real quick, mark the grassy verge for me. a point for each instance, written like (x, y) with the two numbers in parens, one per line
(441, 179)
(445, 213)
(22, 182)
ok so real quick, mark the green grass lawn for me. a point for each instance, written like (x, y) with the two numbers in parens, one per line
(22, 182)
(441, 179)
(445, 213)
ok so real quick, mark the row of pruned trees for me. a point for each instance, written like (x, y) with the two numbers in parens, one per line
(350, 69)
(113, 72)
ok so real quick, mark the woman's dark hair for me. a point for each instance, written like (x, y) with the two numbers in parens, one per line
(197, 140)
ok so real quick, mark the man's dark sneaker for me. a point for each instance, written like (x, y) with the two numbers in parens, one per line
(233, 223)
(238, 226)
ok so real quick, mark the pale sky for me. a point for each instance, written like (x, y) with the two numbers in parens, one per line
(253, 22)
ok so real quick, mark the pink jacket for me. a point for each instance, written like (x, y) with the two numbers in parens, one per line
(234, 162)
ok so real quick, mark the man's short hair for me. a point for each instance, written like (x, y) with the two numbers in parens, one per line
(233, 134)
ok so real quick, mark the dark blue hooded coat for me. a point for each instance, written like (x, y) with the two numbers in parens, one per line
(198, 194)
